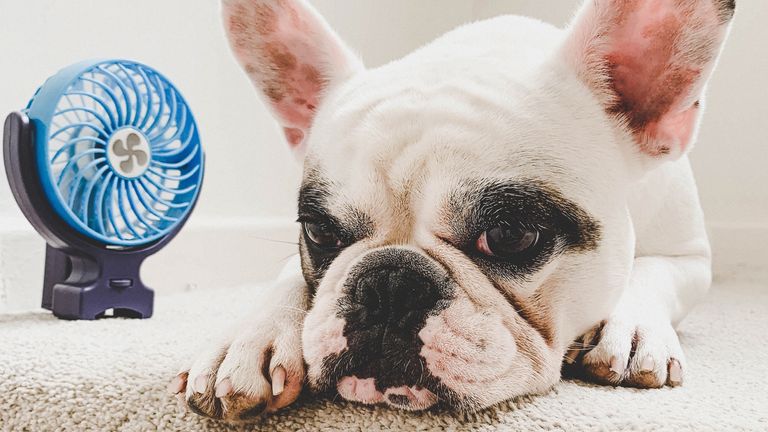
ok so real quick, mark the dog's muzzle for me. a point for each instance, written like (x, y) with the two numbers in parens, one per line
(387, 298)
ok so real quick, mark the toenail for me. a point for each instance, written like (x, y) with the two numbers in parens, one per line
(617, 366)
(224, 388)
(278, 380)
(675, 373)
(200, 384)
(647, 365)
(177, 384)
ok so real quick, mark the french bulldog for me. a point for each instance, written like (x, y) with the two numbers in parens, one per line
(504, 200)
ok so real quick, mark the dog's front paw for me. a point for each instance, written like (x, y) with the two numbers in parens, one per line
(622, 352)
(259, 370)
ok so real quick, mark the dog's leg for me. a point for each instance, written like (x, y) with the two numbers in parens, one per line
(637, 345)
(258, 366)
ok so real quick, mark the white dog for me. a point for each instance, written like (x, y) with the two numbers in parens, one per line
(470, 210)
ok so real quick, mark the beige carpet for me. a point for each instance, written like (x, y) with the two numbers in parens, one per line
(110, 375)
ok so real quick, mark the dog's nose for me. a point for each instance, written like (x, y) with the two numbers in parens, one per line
(396, 295)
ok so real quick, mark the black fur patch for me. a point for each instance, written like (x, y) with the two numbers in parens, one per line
(481, 205)
(382, 328)
(351, 225)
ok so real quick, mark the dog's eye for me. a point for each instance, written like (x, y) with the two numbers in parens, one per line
(507, 241)
(322, 236)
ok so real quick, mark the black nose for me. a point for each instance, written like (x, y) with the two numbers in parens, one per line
(396, 287)
(395, 295)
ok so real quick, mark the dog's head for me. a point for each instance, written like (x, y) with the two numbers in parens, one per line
(464, 209)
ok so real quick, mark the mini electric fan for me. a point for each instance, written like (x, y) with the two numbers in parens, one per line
(106, 164)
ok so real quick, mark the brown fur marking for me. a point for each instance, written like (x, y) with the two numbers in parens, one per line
(533, 312)
(279, 57)
(643, 379)
(264, 19)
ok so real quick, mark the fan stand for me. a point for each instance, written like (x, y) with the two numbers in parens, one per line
(83, 278)
(75, 287)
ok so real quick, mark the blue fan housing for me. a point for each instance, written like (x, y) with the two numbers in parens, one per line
(118, 151)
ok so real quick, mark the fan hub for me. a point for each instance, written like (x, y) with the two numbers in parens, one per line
(128, 152)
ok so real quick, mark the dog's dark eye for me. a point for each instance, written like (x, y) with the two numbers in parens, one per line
(322, 236)
(507, 241)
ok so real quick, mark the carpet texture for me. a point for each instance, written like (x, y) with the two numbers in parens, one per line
(110, 375)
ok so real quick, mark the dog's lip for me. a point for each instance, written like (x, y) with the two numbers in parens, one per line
(359, 389)
(364, 390)
(410, 397)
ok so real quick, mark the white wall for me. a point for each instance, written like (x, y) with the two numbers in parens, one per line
(252, 178)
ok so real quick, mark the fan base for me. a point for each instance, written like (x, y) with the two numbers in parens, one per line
(70, 290)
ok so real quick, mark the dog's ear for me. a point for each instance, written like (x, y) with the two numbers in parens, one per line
(648, 62)
(291, 55)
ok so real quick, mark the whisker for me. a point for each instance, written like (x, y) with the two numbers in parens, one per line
(277, 241)
(293, 308)
(287, 257)
(588, 348)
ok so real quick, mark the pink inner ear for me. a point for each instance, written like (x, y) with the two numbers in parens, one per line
(657, 56)
(671, 130)
(291, 59)
(300, 85)
(284, 49)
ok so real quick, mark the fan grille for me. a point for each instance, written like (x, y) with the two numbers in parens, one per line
(120, 158)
